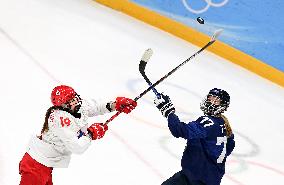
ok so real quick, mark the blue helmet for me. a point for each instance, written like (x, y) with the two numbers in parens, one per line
(212, 109)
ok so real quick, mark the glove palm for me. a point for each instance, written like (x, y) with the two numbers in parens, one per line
(164, 104)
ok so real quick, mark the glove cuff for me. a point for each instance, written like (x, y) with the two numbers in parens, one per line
(90, 134)
(110, 106)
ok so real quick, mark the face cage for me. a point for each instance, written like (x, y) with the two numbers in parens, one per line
(77, 107)
(210, 109)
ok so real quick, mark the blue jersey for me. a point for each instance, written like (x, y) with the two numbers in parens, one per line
(207, 147)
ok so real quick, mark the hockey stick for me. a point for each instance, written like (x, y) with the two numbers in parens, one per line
(212, 40)
(143, 62)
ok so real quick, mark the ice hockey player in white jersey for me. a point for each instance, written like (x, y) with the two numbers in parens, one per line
(65, 131)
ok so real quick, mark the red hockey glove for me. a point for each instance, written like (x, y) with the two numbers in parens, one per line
(97, 130)
(125, 105)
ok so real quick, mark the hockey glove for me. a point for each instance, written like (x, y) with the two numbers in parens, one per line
(125, 105)
(97, 130)
(165, 105)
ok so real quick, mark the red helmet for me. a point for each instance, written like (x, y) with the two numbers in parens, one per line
(62, 94)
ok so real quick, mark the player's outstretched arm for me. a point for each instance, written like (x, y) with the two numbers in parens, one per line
(192, 130)
(121, 104)
(177, 127)
(64, 127)
(165, 106)
(72, 142)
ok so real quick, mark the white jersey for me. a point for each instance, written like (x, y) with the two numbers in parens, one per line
(61, 139)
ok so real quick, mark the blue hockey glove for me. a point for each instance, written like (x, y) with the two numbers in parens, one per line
(165, 105)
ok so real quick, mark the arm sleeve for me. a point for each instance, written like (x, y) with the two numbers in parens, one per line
(95, 108)
(230, 144)
(67, 130)
(72, 142)
(193, 130)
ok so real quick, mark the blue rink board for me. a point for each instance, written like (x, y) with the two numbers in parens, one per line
(255, 27)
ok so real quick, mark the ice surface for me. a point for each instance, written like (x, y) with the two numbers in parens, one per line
(97, 50)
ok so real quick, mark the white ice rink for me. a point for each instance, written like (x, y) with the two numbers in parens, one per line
(96, 50)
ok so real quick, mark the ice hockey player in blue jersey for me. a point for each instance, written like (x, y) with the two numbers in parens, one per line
(209, 140)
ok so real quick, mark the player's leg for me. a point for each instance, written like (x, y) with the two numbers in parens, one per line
(49, 181)
(195, 182)
(29, 175)
(177, 179)
(28, 178)
(48, 176)
(33, 172)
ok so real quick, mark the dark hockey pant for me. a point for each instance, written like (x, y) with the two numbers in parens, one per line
(180, 179)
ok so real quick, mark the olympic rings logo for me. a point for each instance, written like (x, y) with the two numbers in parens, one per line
(202, 10)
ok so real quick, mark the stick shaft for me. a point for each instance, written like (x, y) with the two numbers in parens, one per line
(213, 39)
(173, 70)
